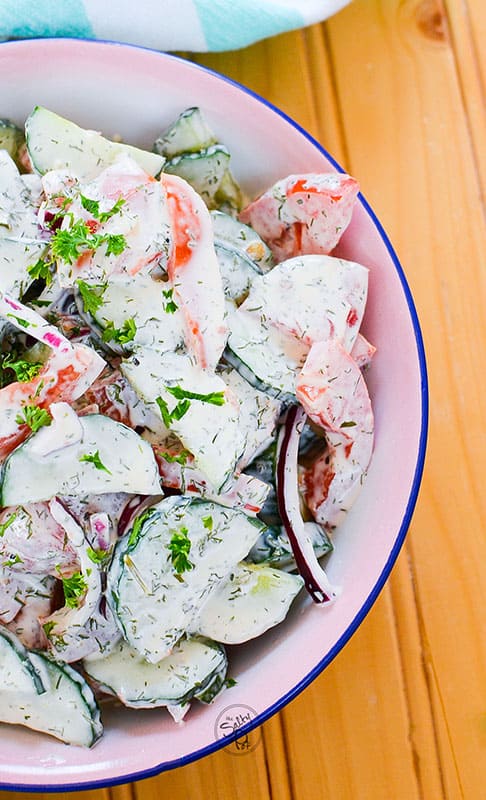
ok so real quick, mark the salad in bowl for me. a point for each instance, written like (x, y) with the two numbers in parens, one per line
(184, 417)
(217, 513)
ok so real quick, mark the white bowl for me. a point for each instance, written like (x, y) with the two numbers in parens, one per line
(135, 92)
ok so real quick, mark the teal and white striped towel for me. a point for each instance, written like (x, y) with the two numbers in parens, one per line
(195, 25)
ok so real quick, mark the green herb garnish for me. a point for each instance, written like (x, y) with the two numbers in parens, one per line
(121, 335)
(48, 626)
(215, 398)
(34, 417)
(170, 307)
(177, 413)
(24, 370)
(7, 523)
(70, 243)
(208, 523)
(97, 556)
(41, 270)
(74, 588)
(179, 458)
(94, 458)
(180, 546)
(91, 295)
(93, 207)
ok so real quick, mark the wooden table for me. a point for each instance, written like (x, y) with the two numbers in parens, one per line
(395, 91)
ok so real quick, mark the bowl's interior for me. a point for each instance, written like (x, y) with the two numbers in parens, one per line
(135, 92)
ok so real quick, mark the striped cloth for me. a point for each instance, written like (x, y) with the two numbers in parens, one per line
(194, 25)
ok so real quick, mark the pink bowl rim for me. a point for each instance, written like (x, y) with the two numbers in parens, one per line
(414, 490)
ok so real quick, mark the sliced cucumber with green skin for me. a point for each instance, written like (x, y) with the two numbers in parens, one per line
(210, 431)
(142, 300)
(108, 457)
(264, 355)
(253, 599)
(45, 696)
(234, 235)
(11, 138)
(193, 667)
(20, 242)
(237, 272)
(187, 134)
(156, 596)
(258, 416)
(208, 173)
(67, 709)
(17, 672)
(57, 143)
(273, 546)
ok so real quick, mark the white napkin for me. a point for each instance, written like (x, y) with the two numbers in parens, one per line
(195, 25)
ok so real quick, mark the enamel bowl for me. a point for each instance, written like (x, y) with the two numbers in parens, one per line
(136, 92)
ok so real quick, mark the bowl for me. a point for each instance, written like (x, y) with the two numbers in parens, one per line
(135, 92)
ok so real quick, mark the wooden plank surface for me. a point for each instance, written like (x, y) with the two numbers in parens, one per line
(395, 91)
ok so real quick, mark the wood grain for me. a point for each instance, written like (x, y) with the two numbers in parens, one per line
(395, 91)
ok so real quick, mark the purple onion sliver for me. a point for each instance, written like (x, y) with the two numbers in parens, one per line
(316, 581)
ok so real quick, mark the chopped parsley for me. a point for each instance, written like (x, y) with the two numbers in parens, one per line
(41, 270)
(10, 562)
(74, 588)
(97, 556)
(179, 458)
(68, 244)
(184, 397)
(170, 307)
(91, 295)
(94, 458)
(48, 626)
(180, 546)
(121, 335)
(177, 413)
(215, 398)
(7, 523)
(93, 207)
(34, 417)
(24, 370)
(208, 523)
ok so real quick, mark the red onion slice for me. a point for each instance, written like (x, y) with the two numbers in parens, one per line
(316, 581)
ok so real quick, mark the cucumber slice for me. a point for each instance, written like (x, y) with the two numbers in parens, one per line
(66, 709)
(234, 235)
(188, 134)
(57, 143)
(237, 272)
(142, 300)
(252, 600)
(109, 457)
(208, 173)
(193, 667)
(11, 138)
(17, 672)
(262, 354)
(157, 598)
(20, 244)
(258, 416)
(211, 432)
(45, 696)
(273, 546)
